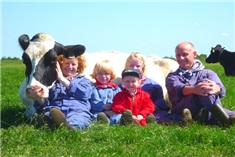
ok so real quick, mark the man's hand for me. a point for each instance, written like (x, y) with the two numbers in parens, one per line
(207, 87)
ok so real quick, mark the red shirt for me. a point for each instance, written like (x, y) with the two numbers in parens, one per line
(139, 104)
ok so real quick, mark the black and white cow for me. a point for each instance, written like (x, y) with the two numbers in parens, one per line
(224, 57)
(40, 56)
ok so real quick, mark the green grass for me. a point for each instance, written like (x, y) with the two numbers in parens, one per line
(20, 137)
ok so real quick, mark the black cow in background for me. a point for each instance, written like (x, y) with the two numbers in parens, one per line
(40, 57)
(224, 57)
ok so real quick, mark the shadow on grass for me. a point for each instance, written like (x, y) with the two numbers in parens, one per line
(12, 116)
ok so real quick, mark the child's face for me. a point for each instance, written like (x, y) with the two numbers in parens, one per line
(131, 83)
(103, 77)
(136, 64)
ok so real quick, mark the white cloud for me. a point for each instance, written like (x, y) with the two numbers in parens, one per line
(225, 34)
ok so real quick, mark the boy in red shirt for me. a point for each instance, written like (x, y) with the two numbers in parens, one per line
(134, 104)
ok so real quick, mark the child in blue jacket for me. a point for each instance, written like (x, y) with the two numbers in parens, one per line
(103, 91)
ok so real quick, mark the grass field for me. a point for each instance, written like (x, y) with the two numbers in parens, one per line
(20, 137)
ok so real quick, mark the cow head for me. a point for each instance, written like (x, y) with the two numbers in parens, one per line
(214, 56)
(40, 56)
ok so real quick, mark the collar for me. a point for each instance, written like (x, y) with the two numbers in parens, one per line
(109, 85)
(134, 93)
(197, 66)
(72, 77)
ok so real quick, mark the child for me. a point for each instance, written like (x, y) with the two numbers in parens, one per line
(134, 104)
(137, 61)
(103, 91)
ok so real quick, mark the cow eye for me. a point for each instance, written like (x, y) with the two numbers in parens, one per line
(53, 62)
(27, 62)
(50, 58)
(213, 51)
(26, 59)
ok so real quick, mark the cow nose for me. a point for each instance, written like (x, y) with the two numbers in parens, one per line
(28, 91)
(34, 91)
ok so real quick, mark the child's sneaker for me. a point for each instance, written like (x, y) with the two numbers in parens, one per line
(126, 118)
(59, 118)
(150, 118)
(101, 117)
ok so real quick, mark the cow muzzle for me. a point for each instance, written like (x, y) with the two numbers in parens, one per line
(35, 89)
(34, 92)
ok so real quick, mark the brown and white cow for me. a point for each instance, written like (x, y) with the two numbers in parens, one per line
(40, 56)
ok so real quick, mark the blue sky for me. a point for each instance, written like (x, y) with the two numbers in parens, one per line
(147, 27)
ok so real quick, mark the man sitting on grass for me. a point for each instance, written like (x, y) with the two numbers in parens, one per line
(198, 89)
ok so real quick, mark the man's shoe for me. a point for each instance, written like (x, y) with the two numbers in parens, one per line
(150, 119)
(126, 118)
(101, 117)
(232, 120)
(186, 117)
(59, 118)
(202, 116)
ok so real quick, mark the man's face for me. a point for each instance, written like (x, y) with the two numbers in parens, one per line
(185, 56)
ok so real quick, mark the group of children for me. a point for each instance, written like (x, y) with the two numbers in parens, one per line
(138, 100)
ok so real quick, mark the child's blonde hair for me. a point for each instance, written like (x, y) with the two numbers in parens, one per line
(104, 65)
(81, 62)
(138, 56)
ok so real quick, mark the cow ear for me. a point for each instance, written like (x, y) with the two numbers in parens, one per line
(78, 50)
(218, 45)
(73, 51)
(59, 48)
(24, 41)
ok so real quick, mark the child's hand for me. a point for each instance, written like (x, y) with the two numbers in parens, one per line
(140, 117)
(134, 117)
(107, 106)
(109, 113)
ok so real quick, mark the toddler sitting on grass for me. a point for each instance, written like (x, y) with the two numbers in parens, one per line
(134, 104)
